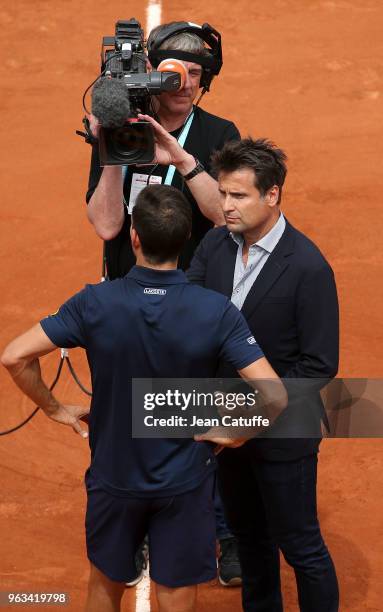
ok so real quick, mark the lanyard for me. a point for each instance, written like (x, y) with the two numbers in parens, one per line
(181, 141)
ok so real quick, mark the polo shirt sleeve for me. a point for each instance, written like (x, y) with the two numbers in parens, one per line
(238, 345)
(66, 327)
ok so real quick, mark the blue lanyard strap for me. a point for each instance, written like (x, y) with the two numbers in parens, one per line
(181, 141)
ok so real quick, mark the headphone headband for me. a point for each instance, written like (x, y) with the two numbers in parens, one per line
(205, 61)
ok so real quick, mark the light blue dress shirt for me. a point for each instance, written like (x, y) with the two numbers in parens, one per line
(259, 252)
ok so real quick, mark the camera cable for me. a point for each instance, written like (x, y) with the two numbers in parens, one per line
(64, 357)
(95, 80)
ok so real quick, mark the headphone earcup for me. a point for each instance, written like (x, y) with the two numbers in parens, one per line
(174, 65)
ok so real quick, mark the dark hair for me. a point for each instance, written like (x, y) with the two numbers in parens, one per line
(162, 218)
(261, 156)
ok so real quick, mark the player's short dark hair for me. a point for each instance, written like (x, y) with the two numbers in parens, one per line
(262, 156)
(162, 218)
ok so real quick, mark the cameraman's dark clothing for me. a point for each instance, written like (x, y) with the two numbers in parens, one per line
(208, 133)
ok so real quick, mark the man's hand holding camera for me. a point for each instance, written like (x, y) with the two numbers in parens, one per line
(167, 149)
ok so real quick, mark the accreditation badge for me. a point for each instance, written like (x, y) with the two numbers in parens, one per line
(139, 182)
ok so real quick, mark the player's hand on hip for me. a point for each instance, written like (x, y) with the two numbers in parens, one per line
(70, 415)
(215, 436)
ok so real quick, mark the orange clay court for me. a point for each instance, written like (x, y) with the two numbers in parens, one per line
(306, 73)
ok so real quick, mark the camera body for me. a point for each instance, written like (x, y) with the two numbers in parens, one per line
(123, 57)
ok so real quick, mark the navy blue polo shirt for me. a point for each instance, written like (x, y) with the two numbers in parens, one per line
(128, 332)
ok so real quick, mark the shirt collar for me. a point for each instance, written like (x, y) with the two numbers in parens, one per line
(270, 240)
(151, 276)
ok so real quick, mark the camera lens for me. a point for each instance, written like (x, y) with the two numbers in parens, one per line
(129, 144)
(129, 138)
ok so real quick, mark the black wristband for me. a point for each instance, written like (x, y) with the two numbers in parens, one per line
(197, 170)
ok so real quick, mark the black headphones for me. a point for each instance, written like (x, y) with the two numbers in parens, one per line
(211, 64)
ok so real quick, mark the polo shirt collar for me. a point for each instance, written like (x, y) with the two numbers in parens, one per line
(157, 277)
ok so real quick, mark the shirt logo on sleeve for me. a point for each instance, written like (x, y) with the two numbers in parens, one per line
(153, 291)
(251, 340)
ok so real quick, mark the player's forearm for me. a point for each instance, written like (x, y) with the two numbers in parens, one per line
(106, 208)
(204, 190)
(27, 376)
(272, 392)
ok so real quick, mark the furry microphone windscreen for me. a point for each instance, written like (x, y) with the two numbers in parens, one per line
(110, 102)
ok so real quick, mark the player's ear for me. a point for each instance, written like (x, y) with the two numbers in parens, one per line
(136, 244)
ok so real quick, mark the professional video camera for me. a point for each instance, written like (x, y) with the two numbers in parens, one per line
(123, 91)
(124, 88)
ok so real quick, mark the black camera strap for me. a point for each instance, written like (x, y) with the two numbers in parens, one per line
(87, 135)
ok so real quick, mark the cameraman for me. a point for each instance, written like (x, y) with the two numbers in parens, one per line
(108, 188)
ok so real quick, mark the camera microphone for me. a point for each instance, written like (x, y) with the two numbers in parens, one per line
(110, 102)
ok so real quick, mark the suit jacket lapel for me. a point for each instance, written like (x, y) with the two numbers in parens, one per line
(271, 271)
(225, 273)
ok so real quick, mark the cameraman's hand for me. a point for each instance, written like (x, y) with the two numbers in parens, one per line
(167, 150)
(94, 125)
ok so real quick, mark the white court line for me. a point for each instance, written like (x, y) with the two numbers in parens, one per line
(153, 15)
(153, 19)
(143, 593)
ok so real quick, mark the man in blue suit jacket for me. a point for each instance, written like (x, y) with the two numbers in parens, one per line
(286, 291)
